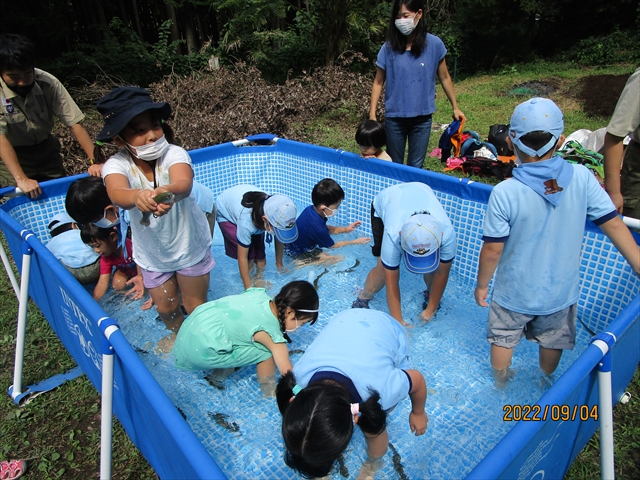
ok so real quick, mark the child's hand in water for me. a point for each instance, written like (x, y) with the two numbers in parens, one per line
(362, 240)
(137, 290)
(418, 422)
(351, 227)
(425, 317)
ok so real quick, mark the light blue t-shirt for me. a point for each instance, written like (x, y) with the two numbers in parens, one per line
(312, 233)
(69, 248)
(395, 204)
(411, 82)
(539, 271)
(203, 196)
(369, 347)
(229, 209)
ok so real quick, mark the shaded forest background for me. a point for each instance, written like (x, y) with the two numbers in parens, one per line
(140, 41)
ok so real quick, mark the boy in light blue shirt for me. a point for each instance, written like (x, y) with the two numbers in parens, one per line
(533, 232)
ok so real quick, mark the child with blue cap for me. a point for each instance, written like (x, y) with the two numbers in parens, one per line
(533, 231)
(244, 213)
(67, 246)
(409, 225)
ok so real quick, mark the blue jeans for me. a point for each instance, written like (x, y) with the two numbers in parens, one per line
(417, 130)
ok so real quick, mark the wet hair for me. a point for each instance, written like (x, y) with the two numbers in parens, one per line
(255, 201)
(317, 424)
(326, 192)
(371, 134)
(89, 233)
(536, 140)
(397, 40)
(298, 294)
(100, 157)
(86, 200)
(16, 51)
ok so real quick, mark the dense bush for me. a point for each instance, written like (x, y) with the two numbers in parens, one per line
(616, 47)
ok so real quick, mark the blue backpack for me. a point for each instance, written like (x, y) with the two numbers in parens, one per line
(473, 143)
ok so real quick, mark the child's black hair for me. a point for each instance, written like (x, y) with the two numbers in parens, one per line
(397, 40)
(298, 295)
(371, 134)
(16, 52)
(317, 424)
(537, 140)
(255, 201)
(100, 157)
(326, 192)
(89, 233)
(86, 200)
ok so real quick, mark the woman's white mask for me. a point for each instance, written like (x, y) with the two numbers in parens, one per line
(406, 25)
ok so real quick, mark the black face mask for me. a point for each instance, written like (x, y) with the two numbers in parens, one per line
(24, 90)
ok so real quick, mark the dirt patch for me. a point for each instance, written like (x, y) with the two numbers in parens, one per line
(599, 93)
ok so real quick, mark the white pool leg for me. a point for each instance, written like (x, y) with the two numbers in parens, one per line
(9, 270)
(605, 413)
(106, 422)
(23, 302)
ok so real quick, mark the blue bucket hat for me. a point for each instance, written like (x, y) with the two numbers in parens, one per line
(121, 105)
(536, 115)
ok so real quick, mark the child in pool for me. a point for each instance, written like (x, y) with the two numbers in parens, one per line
(244, 213)
(371, 137)
(313, 231)
(354, 372)
(173, 251)
(246, 329)
(104, 241)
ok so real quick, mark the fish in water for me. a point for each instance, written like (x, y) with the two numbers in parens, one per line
(221, 419)
(397, 463)
(344, 471)
(296, 351)
(164, 197)
(350, 269)
(184, 415)
(315, 282)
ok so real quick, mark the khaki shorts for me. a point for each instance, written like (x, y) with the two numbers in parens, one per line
(555, 331)
(86, 274)
(39, 162)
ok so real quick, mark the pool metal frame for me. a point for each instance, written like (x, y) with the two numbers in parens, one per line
(98, 346)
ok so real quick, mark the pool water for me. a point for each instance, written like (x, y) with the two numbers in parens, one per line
(241, 430)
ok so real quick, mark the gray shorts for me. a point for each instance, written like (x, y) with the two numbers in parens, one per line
(555, 331)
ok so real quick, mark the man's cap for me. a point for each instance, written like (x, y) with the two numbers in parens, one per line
(281, 214)
(421, 237)
(536, 115)
(121, 105)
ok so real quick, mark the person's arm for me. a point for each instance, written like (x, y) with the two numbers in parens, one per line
(280, 351)
(489, 258)
(376, 91)
(243, 266)
(29, 187)
(377, 444)
(613, 153)
(622, 239)
(102, 286)
(343, 243)
(447, 86)
(418, 417)
(346, 229)
(279, 253)
(438, 286)
(83, 139)
(392, 283)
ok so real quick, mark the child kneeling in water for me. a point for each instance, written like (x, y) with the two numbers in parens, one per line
(246, 329)
(354, 372)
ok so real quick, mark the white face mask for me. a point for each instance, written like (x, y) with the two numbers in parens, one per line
(406, 25)
(151, 151)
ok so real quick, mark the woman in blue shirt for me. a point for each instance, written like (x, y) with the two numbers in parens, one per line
(409, 63)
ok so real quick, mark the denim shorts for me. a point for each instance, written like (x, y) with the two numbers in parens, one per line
(555, 331)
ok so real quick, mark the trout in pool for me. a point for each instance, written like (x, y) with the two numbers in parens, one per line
(164, 197)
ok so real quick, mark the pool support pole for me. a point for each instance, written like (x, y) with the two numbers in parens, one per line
(9, 270)
(108, 326)
(605, 342)
(23, 302)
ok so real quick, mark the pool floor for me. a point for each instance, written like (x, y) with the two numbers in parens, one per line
(241, 430)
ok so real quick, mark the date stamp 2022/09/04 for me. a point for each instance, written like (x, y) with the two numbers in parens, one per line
(538, 413)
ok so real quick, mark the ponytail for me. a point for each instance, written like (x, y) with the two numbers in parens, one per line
(373, 419)
(98, 153)
(300, 296)
(255, 201)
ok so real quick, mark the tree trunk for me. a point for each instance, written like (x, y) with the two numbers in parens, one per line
(189, 30)
(175, 31)
(136, 19)
(123, 14)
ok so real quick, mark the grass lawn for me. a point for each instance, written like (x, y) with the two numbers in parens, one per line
(59, 430)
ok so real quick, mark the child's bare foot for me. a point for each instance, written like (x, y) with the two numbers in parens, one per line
(165, 345)
(501, 377)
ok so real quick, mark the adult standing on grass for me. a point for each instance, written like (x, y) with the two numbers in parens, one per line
(30, 98)
(409, 62)
(624, 186)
